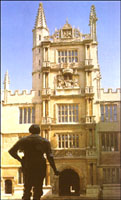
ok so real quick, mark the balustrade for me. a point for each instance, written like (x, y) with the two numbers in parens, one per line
(88, 62)
(89, 89)
(90, 119)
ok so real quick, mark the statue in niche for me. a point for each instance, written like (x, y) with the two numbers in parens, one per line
(76, 84)
(68, 83)
(60, 81)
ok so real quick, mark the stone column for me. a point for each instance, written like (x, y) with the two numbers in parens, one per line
(43, 80)
(90, 138)
(48, 80)
(48, 59)
(88, 174)
(43, 108)
(86, 78)
(49, 108)
(85, 51)
(94, 138)
(48, 174)
(87, 107)
(94, 174)
(44, 54)
(87, 138)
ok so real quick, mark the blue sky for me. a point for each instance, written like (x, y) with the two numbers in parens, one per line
(17, 22)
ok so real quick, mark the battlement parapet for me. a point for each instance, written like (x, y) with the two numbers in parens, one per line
(110, 90)
(23, 92)
(110, 94)
(23, 96)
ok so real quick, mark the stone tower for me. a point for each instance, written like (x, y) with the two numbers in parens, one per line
(40, 31)
(66, 77)
(79, 119)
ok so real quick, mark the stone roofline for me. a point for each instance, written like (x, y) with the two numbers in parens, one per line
(23, 92)
(110, 91)
(32, 92)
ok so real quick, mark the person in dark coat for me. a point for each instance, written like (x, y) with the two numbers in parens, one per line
(33, 162)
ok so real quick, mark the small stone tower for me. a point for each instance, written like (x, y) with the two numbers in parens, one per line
(40, 31)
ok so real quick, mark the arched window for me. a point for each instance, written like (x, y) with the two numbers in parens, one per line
(8, 186)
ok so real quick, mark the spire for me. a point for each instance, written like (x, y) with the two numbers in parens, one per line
(6, 81)
(40, 19)
(92, 22)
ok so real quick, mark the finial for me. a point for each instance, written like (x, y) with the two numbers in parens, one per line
(93, 17)
(66, 20)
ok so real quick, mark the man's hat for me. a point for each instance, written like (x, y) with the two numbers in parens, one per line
(34, 129)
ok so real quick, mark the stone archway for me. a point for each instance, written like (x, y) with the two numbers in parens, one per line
(69, 183)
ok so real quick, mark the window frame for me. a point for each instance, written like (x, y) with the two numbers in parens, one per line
(68, 113)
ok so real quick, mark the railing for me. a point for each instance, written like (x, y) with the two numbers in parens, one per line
(90, 119)
(46, 91)
(46, 64)
(89, 89)
(88, 62)
(48, 120)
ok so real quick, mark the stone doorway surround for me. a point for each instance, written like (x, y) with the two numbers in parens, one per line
(69, 183)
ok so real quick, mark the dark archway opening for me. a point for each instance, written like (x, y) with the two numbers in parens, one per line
(69, 183)
(8, 186)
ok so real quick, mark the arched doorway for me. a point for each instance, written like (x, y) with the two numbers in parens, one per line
(8, 186)
(69, 183)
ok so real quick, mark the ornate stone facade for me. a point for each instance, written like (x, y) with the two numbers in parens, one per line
(79, 118)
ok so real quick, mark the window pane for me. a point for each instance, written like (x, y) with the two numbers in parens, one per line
(29, 115)
(20, 115)
(33, 115)
(106, 113)
(102, 113)
(25, 115)
(115, 112)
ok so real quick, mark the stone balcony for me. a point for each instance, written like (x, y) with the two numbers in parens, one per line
(46, 91)
(48, 120)
(89, 119)
(89, 90)
(88, 63)
(46, 64)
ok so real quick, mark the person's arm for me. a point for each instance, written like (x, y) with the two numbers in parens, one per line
(13, 151)
(50, 159)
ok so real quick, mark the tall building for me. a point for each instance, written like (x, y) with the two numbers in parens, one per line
(79, 118)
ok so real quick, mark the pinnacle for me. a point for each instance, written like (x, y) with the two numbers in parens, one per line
(93, 14)
(40, 19)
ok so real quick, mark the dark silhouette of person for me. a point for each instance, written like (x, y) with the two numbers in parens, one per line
(33, 162)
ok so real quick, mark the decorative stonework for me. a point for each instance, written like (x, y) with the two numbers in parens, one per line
(69, 153)
(67, 78)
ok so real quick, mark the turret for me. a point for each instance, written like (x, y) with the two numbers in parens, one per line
(92, 23)
(6, 81)
(40, 30)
